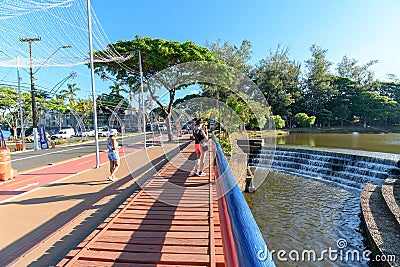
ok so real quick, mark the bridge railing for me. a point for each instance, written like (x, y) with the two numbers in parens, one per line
(243, 242)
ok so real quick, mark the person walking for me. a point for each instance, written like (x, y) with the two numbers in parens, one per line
(200, 147)
(113, 155)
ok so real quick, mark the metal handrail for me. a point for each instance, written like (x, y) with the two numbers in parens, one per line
(250, 246)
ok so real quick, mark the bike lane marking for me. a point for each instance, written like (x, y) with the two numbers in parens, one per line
(55, 173)
(44, 176)
(20, 182)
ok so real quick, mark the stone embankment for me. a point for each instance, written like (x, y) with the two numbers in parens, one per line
(381, 216)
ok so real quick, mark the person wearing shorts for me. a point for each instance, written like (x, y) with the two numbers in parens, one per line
(200, 137)
(113, 155)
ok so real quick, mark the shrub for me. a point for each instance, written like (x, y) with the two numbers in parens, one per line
(61, 142)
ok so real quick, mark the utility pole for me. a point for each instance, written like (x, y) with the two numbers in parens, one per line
(30, 41)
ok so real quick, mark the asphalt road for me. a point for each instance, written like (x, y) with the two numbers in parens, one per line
(30, 159)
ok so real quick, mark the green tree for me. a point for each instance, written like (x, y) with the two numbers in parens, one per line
(70, 93)
(303, 120)
(373, 108)
(278, 78)
(240, 108)
(85, 107)
(317, 87)
(279, 122)
(106, 104)
(389, 89)
(364, 77)
(311, 121)
(116, 89)
(341, 102)
(233, 56)
(157, 55)
(9, 107)
(58, 108)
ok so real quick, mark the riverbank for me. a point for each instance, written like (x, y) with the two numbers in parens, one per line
(331, 130)
(346, 129)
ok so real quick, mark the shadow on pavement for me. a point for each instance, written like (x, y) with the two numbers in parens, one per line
(71, 240)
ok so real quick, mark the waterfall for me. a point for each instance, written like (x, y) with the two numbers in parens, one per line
(345, 169)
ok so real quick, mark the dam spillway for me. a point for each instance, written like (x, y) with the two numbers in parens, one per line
(348, 168)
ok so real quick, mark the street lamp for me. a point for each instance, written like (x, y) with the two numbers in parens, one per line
(47, 59)
(34, 108)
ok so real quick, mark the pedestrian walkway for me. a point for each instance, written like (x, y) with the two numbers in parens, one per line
(172, 221)
(39, 226)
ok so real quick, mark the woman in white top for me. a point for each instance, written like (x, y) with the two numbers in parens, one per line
(113, 155)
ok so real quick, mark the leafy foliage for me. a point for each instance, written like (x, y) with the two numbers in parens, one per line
(303, 120)
(157, 55)
(278, 78)
(279, 122)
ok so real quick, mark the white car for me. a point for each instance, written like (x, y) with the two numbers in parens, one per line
(86, 133)
(64, 133)
(102, 131)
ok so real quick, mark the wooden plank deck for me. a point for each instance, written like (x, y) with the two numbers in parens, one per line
(172, 221)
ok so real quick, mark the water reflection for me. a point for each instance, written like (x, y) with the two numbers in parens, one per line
(295, 213)
(389, 143)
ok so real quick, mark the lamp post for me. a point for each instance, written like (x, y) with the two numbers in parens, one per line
(34, 108)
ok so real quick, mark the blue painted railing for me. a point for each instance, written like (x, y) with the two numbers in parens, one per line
(250, 247)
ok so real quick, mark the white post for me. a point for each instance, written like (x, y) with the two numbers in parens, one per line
(93, 86)
(20, 107)
(141, 91)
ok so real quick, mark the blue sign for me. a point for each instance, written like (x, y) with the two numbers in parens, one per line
(43, 138)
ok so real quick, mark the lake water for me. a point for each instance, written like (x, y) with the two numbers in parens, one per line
(389, 143)
(296, 214)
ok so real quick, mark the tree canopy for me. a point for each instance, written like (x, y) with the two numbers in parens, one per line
(156, 55)
(345, 93)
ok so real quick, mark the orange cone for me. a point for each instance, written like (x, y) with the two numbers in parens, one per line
(6, 170)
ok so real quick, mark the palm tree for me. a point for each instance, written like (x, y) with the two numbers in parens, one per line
(70, 93)
(116, 89)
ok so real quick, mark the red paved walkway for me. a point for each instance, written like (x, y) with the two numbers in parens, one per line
(172, 221)
(31, 180)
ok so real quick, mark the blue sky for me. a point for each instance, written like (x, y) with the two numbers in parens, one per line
(361, 29)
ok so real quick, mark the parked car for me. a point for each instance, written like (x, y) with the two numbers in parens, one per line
(30, 138)
(162, 127)
(64, 133)
(103, 131)
(86, 133)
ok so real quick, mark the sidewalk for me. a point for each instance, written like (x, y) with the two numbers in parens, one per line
(173, 221)
(40, 227)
